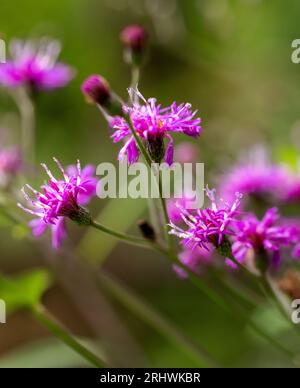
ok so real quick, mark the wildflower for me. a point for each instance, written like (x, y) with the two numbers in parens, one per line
(34, 64)
(266, 238)
(134, 39)
(256, 177)
(194, 259)
(174, 206)
(186, 152)
(153, 124)
(61, 199)
(208, 226)
(10, 164)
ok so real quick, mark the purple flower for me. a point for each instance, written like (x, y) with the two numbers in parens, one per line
(207, 226)
(10, 164)
(194, 259)
(153, 124)
(174, 206)
(257, 177)
(60, 199)
(34, 63)
(265, 237)
(186, 152)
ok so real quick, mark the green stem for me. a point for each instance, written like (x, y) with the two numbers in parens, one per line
(126, 238)
(44, 318)
(146, 312)
(165, 212)
(27, 112)
(238, 314)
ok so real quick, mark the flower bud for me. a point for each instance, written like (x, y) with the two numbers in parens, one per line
(134, 39)
(147, 230)
(97, 91)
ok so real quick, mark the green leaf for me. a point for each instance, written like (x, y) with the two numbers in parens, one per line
(24, 290)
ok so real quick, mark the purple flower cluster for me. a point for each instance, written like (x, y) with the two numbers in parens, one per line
(59, 199)
(259, 178)
(210, 225)
(264, 237)
(153, 124)
(34, 64)
(222, 223)
(194, 259)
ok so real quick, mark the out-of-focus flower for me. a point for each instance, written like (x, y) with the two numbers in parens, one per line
(265, 237)
(60, 199)
(34, 64)
(289, 284)
(186, 152)
(194, 259)
(10, 165)
(153, 124)
(210, 225)
(174, 206)
(134, 39)
(257, 177)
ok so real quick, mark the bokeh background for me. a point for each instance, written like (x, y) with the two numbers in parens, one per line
(232, 60)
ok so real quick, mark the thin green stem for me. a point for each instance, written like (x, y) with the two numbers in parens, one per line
(132, 240)
(236, 312)
(155, 319)
(27, 113)
(44, 318)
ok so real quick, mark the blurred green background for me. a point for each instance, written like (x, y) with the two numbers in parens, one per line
(232, 60)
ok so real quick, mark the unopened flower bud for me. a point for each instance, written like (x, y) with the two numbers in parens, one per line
(147, 230)
(134, 39)
(97, 91)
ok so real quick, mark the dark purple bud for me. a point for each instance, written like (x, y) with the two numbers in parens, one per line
(147, 230)
(96, 90)
(134, 37)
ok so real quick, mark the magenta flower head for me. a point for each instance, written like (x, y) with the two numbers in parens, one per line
(266, 238)
(256, 177)
(61, 199)
(194, 259)
(153, 124)
(134, 39)
(186, 152)
(34, 64)
(208, 226)
(10, 165)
